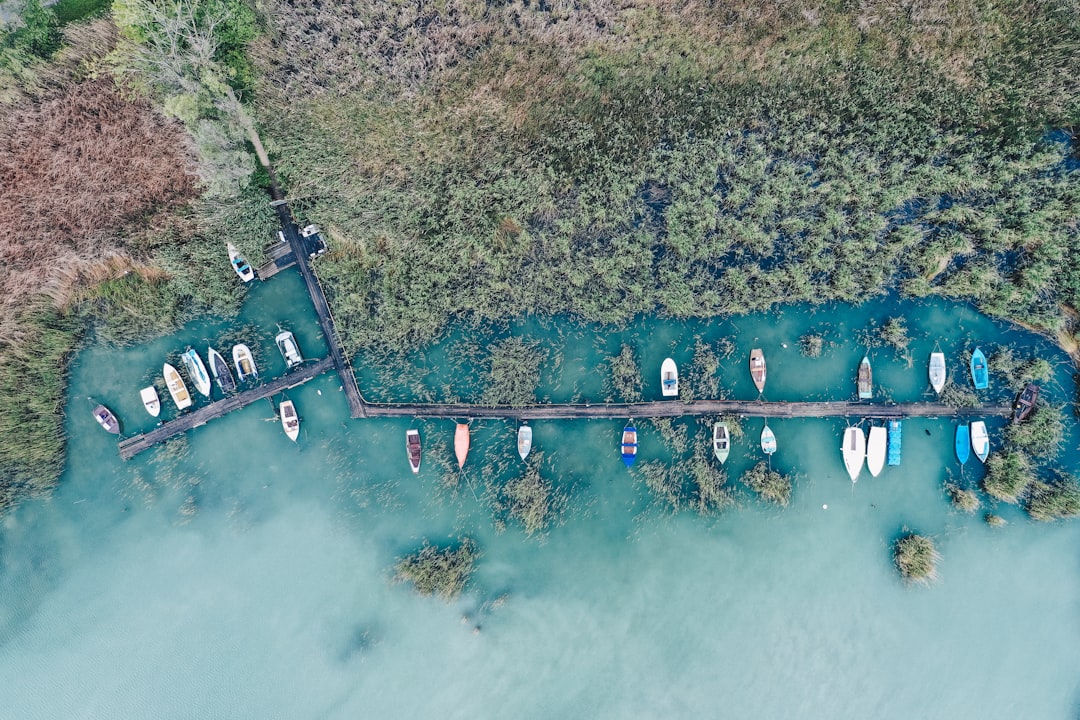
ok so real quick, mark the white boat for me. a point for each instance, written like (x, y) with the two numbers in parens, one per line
(177, 388)
(289, 419)
(876, 446)
(150, 400)
(757, 369)
(239, 264)
(286, 343)
(669, 378)
(524, 441)
(980, 440)
(244, 362)
(768, 440)
(721, 441)
(220, 370)
(854, 451)
(937, 371)
(106, 419)
(412, 447)
(197, 371)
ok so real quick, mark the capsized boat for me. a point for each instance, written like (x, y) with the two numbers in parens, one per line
(289, 419)
(866, 386)
(244, 362)
(177, 388)
(757, 369)
(980, 440)
(669, 378)
(721, 441)
(461, 443)
(1025, 403)
(150, 400)
(286, 343)
(239, 264)
(197, 371)
(768, 440)
(854, 451)
(412, 447)
(629, 445)
(963, 443)
(220, 370)
(937, 371)
(106, 419)
(875, 449)
(524, 441)
(895, 441)
(979, 374)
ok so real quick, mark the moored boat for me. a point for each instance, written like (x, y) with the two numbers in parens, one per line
(875, 449)
(937, 371)
(980, 440)
(768, 440)
(895, 441)
(865, 381)
(412, 447)
(524, 441)
(220, 370)
(239, 264)
(721, 441)
(286, 343)
(244, 362)
(979, 373)
(963, 443)
(629, 445)
(106, 419)
(197, 371)
(669, 378)
(176, 386)
(461, 443)
(1025, 403)
(150, 400)
(854, 451)
(289, 419)
(757, 369)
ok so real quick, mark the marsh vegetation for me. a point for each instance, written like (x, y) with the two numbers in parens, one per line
(916, 558)
(769, 484)
(443, 572)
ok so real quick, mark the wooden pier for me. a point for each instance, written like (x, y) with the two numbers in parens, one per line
(278, 257)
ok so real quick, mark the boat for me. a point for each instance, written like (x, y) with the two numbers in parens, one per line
(286, 343)
(865, 383)
(875, 449)
(757, 369)
(239, 264)
(106, 419)
(937, 371)
(220, 370)
(150, 400)
(721, 441)
(1025, 403)
(980, 440)
(979, 374)
(197, 371)
(461, 443)
(412, 447)
(289, 419)
(629, 445)
(669, 378)
(177, 388)
(244, 362)
(854, 451)
(963, 443)
(895, 441)
(768, 440)
(524, 440)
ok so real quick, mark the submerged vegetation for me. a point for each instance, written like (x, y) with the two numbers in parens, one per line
(768, 484)
(531, 499)
(1008, 475)
(443, 572)
(916, 558)
(964, 499)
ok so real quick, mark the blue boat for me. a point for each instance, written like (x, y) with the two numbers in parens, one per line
(894, 442)
(979, 374)
(963, 443)
(629, 445)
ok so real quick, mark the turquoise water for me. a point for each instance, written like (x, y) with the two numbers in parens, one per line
(238, 575)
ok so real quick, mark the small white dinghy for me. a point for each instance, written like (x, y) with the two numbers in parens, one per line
(196, 370)
(937, 371)
(854, 451)
(980, 440)
(244, 362)
(412, 448)
(289, 419)
(875, 449)
(286, 343)
(177, 388)
(669, 378)
(150, 400)
(239, 264)
(768, 440)
(524, 441)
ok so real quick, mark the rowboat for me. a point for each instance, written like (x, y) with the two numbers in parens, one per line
(177, 388)
(854, 451)
(197, 371)
(895, 441)
(768, 440)
(286, 343)
(461, 443)
(865, 381)
(150, 400)
(963, 443)
(412, 447)
(721, 441)
(669, 378)
(1025, 403)
(239, 264)
(106, 419)
(629, 445)
(524, 441)
(875, 450)
(757, 369)
(980, 440)
(937, 371)
(220, 370)
(244, 362)
(289, 419)
(979, 374)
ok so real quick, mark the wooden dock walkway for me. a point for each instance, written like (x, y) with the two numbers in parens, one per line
(134, 445)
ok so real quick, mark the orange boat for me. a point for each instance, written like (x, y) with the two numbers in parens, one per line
(461, 443)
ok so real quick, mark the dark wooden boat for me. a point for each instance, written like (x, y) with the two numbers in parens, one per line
(1025, 403)
(412, 446)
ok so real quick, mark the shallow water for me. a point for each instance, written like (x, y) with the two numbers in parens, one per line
(235, 574)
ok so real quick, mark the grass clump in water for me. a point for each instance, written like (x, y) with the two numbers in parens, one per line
(769, 484)
(1008, 475)
(963, 499)
(531, 499)
(1054, 500)
(625, 380)
(995, 521)
(442, 572)
(1041, 435)
(710, 491)
(513, 373)
(894, 334)
(664, 482)
(811, 345)
(916, 558)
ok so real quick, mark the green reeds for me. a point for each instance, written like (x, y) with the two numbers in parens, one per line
(1008, 475)
(916, 558)
(1054, 500)
(769, 484)
(443, 572)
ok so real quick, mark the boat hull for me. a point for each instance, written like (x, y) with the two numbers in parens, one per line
(177, 389)
(220, 370)
(629, 445)
(865, 380)
(757, 369)
(721, 442)
(196, 370)
(980, 375)
(980, 440)
(963, 443)
(875, 450)
(290, 421)
(239, 265)
(1025, 403)
(286, 343)
(853, 451)
(669, 378)
(413, 450)
(937, 371)
(768, 440)
(461, 443)
(150, 400)
(244, 362)
(524, 441)
(107, 420)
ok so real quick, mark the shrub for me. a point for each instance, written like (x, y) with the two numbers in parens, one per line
(916, 558)
(894, 334)
(443, 572)
(995, 520)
